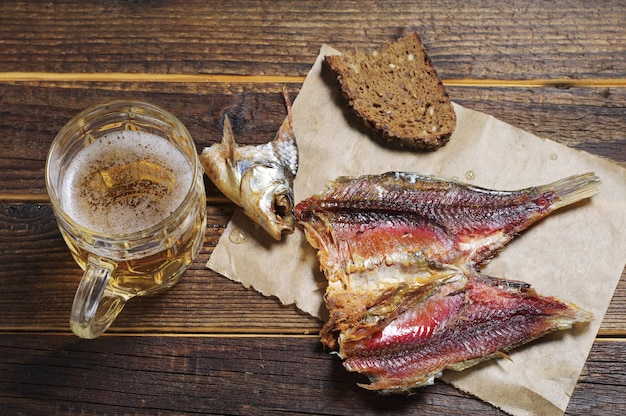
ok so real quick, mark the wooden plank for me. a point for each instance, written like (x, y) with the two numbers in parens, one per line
(613, 323)
(475, 39)
(59, 374)
(606, 366)
(39, 272)
(590, 119)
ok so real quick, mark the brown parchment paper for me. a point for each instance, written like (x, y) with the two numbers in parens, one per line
(576, 254)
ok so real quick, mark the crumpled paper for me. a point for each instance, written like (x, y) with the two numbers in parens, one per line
(576, 254)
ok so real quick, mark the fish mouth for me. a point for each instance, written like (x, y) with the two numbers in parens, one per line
(282, 209)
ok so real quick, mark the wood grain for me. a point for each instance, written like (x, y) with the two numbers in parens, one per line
(469, 39)
(235, 375)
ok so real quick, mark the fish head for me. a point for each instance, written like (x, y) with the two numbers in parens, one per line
(258, 178)
(266, 191)
(262, 188)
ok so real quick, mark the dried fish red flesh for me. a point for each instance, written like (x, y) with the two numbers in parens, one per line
(454, 328)
(402, 254)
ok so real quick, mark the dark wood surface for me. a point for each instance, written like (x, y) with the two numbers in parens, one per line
(209, 345)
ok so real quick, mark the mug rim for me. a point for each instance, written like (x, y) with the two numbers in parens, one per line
(140, 235)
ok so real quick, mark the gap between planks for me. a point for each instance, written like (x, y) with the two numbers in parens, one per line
(200, 78)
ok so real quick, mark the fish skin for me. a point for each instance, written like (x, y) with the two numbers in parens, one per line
(259, 179)
(441, 332)
(391, 244)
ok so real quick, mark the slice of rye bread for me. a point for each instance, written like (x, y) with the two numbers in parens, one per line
(397, 92)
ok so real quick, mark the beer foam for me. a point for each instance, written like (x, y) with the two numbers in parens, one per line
(125, 182)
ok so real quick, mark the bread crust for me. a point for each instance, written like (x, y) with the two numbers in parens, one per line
(397, 92)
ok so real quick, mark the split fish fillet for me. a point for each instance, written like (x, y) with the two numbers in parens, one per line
(402, 254)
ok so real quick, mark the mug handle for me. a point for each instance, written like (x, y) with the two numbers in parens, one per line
(95, 306)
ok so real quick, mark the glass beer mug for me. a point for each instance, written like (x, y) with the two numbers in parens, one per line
(126, 187)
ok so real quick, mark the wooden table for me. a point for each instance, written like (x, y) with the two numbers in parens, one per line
(209, 345)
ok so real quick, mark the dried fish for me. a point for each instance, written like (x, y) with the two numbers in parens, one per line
(453, 325)
(402, 254)
(260, 178)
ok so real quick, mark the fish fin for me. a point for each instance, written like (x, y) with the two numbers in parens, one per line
(573, 189)
(504, 284)
(285, 133)
(502, 354)
(285, 141)
(464, 365)
(288, 105)
(228, 141)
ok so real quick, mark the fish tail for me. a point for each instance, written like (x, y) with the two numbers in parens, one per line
(573, 314)
(572, 189)
(287, 104)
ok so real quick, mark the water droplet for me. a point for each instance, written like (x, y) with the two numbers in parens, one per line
(237, 236)
(554, 156)
(469, 175)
